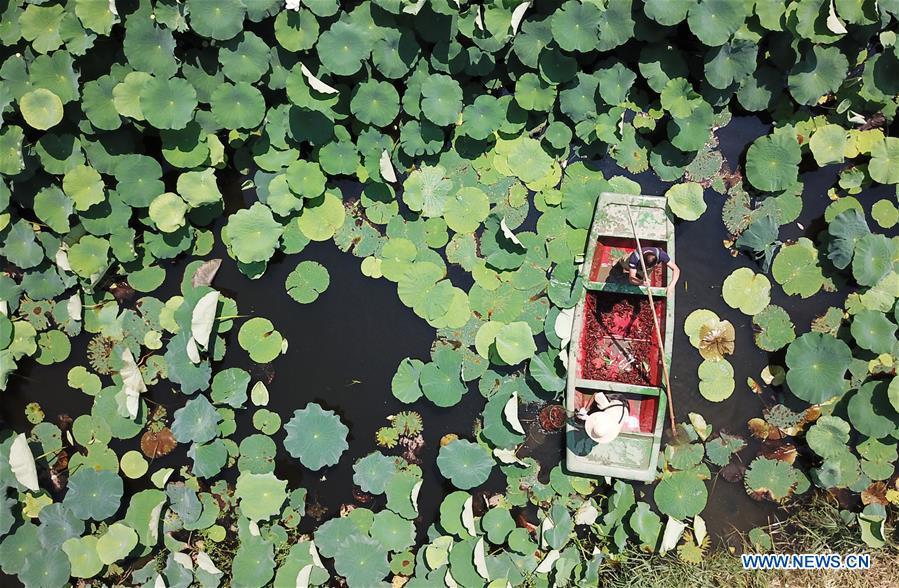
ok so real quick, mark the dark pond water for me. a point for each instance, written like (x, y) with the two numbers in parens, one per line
(345, 347)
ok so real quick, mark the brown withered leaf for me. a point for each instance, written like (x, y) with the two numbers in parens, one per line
(759, 428)
(786, 452)
(158, 443)
(876, 493)
(206, 273)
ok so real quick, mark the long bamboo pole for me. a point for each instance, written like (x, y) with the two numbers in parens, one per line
(655, 321)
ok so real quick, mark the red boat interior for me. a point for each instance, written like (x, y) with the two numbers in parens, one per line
(610, 250)
(618, 342)
(641, 409)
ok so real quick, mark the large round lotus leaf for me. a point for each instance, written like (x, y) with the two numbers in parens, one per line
(253, 233)
(341, 49)
(464, 463)
(83, 556)
(772, 162)
(307, 281)
(296, 30)
(316, 437)
(93, 494)
(168, 103)
(260, 495)
(716, 380)
(714, 21)
(527, 160)
(685, 200)
(84, 186)
(441, 99)
(873, 258)
(774, 329)
(392, 531)
(322, 216)
(680, 495)
(465, 210)
(884, 164)
(253, 565)
(694, 322)
(482, 118)
(576, 26)
(870, 411)
(730, 63)
(746, 291)
(497, 523)
(196, 422)
(221, 22)
(405, 385)
(515, 342)
(817, 364)
(116, 543)
(796, 268)
(771, 478)
(820, 71)
(828, 144)
(245, 58)
(41, 109)
(167, 211)
(427, 190)
(828, 436)
(373, 472)
(442, 387)
(845, 230)
(873, 331)
(237, 106)
(885, 213)
(376, 103)
(260, 339)
(361, 560)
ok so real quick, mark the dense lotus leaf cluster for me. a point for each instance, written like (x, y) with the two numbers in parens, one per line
(472, 129)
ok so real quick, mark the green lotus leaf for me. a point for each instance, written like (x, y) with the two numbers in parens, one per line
(720, 449)
(373, 472)
(515, 342)
(796, 268)
(89, 256)
(54, 208)
(41, 26)
(483, 117)
(845, 230)
(873, 331)
(254, 563)
(237, 106)
(116, 543)
(576, 26)
(260, 339)
(771, 478)
(772, 162)
(84, 186)
(885, 213)
(465, 210)
(229, 386)
(774, 328)
(441, 99)
(244, 58)
(41, 109)
(884, 164)
(93, 494)
(870, 411)
(893, 393)
(716, 380)
(260, 495)
(322, 216)
(873, 258)
(837, 472)
(253, 233)
(828, 144)
(340, 49)
(731, 63)
(442, 387)
(168, 103)
(167, 212)
(83, 557)
(11, 159)
(307, 281)
(680, 495)
(714, 21)
(220, 22)
(666, 13)
(375, 103)
(828, 436)
(392, 531)
(316, 437)
(139, 179)
(196, 422)
(464, 463)
(746, 291)
(361, 560)
(820, 71)
(305, 179)
(615, 83)
(646, 524)
(686, 200)
(694, 321)
(405, 384)
(817, 364)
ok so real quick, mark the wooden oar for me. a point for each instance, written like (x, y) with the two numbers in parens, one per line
(655, 321)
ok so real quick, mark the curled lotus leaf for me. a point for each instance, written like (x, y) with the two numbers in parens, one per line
(716, 339)
(694, 321)
(316, 437)
(828, 436)
(774, 329)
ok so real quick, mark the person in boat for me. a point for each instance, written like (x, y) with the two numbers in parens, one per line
(603, 416)
(652, 256)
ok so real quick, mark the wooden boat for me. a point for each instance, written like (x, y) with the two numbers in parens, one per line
(613, 347)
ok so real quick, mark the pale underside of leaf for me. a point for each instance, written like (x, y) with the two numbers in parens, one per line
(833, 21)
(510, 411)
(315, 83)
(699, 529)
(673, 531)
(73, 306)
(508, 232)
(468, 517)
(132, 383)
(62, 259)
(480, 560)
(518, 15)
(21, 462)
(184, 560)
(205, 563)
(386, 167)
(546, 565)
(206, 273)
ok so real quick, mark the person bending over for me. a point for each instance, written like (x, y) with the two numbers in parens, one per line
(652, 256)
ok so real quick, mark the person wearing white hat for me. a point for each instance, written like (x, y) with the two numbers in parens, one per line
(604, 424)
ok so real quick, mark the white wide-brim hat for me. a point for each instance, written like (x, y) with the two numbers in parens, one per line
(603, 426)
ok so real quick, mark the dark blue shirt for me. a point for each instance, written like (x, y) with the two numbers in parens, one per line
(633, 261)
